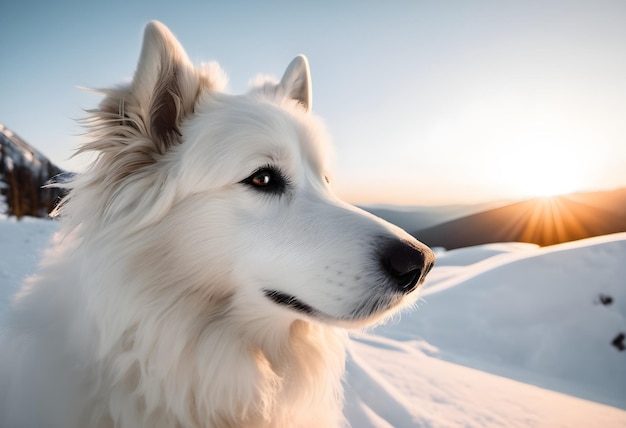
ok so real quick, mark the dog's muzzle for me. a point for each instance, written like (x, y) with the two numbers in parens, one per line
(402, 266)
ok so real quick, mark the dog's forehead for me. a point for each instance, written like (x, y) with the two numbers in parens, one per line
(246, 130)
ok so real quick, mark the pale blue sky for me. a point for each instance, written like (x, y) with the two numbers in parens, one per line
(428, 102)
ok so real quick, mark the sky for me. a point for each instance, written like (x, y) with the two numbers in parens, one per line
(428, 102)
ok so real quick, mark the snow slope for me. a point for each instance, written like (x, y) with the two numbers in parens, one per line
(532, 314)
(403, 384)
(505, 335)
(21, 246)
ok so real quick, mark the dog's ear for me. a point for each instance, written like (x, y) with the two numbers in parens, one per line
(165, 86)
(296, 82)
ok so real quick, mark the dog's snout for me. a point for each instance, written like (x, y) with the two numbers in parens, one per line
(406, 264)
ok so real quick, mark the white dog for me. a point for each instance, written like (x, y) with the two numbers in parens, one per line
(205, 271)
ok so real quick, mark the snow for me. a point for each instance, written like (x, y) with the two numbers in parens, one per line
(402, 384)
(21, 246)
(505, 334)
(533, 315)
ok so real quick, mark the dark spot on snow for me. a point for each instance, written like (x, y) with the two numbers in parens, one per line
(618, 342)
(605, 299)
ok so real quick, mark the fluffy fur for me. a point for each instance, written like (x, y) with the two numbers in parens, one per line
(204, 272)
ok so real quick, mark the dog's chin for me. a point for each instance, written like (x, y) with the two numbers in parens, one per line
(369, 312)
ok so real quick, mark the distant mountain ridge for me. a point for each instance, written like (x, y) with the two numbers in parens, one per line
(542, 221)
(421, 217)
(23, 172)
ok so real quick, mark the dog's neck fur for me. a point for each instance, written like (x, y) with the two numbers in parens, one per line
(249, 385)
(152, 342)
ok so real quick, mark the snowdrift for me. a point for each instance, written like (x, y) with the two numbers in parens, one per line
(532, 314)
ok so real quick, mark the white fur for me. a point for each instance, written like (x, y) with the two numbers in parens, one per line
(149, 308)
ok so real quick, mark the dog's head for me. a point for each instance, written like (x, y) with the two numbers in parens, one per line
(231, 196)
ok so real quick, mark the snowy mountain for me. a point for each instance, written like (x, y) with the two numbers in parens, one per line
(23, 172)
(505, 335)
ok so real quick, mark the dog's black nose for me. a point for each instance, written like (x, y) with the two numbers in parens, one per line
(406, 264)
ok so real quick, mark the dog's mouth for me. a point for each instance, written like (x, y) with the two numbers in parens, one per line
(294, 303)
(365, 311)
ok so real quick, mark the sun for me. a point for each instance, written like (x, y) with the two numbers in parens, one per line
(548, 181)
(540, 165)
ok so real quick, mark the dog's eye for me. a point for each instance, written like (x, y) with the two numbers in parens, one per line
(267, 179)
(262, 179)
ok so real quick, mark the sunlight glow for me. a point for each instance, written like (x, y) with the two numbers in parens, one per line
(553, 220)
(542, 164)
